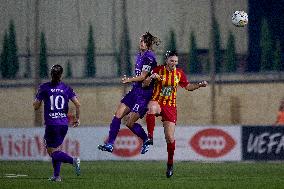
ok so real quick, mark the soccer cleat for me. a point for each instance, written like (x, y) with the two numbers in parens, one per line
(106, 147)
(76, 164)
(55, 179)
(170, 170)
(145, 146)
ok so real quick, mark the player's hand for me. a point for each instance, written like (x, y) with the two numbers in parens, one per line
(125, 79)
(203, 84)
(76, 123)
(156, 76)
(146, 82)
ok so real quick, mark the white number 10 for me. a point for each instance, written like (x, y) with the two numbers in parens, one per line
(55, 102)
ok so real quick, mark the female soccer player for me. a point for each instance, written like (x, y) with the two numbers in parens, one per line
(167, 78)
(56, 95)
(134, 104)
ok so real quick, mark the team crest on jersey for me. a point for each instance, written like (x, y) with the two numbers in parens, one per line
(176, 79)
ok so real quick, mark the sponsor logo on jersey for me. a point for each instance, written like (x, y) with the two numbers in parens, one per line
(146, 68)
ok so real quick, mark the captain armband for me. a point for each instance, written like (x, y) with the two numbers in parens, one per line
(146, 68)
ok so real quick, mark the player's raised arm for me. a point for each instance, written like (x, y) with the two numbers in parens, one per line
(148, 80)
(140, 77)
(194, 86)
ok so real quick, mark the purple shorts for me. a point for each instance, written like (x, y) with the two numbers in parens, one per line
(137, 100)
(54, 135)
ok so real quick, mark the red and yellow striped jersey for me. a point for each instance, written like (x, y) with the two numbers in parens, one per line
(165, 90)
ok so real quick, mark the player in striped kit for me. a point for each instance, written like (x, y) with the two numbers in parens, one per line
(167, 79)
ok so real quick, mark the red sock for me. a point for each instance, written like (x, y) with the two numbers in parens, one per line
(150, 120)
(171, 151)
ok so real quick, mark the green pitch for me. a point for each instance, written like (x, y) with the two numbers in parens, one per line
(143, 174)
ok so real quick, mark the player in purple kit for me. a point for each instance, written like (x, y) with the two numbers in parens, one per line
(134, 104)
(56, 95)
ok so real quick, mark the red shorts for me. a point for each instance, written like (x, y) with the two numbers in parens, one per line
(169, 113)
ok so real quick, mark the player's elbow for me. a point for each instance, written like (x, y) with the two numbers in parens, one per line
(78, 105)
(36, 105)
(189, 88)
(76, 102)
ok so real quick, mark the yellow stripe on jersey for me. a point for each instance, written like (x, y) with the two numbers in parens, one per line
(174, 86)
(170, 79)
(157, 87)
(163, 82)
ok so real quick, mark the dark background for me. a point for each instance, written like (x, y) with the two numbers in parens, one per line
(273, 11)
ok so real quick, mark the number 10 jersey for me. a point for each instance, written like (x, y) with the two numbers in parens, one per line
(55, 98)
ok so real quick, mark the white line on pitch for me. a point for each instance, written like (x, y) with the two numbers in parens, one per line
(9, 175)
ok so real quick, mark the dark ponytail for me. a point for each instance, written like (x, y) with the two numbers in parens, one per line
(56, 73)
(151, 40)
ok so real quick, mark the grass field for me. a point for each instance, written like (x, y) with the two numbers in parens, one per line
(144, 174)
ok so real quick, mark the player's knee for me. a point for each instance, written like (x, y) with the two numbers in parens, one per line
(129, 124)
(170, 139)
(50, 150)
(151, 110)
(118, 115)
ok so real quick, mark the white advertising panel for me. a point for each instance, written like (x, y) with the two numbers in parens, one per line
(28, 144)
(209, 143)
(192, 143)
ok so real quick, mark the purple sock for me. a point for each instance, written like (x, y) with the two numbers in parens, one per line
(113, 129)
(60, 156)
(56, 167)
(139, 131)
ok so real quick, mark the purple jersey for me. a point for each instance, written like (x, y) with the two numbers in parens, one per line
(55, 98)
(138, 97)
(144, 62)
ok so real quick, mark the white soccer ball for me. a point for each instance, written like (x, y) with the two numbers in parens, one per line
(240, 18)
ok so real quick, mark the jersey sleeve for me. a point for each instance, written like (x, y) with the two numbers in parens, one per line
(183, 82)
(40, 93)
(149, 63)
(71, 94)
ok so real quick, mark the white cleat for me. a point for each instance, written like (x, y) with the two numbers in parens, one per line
(55, 179)
(76, 164)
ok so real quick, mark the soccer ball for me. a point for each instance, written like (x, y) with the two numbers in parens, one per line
(240, 18)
